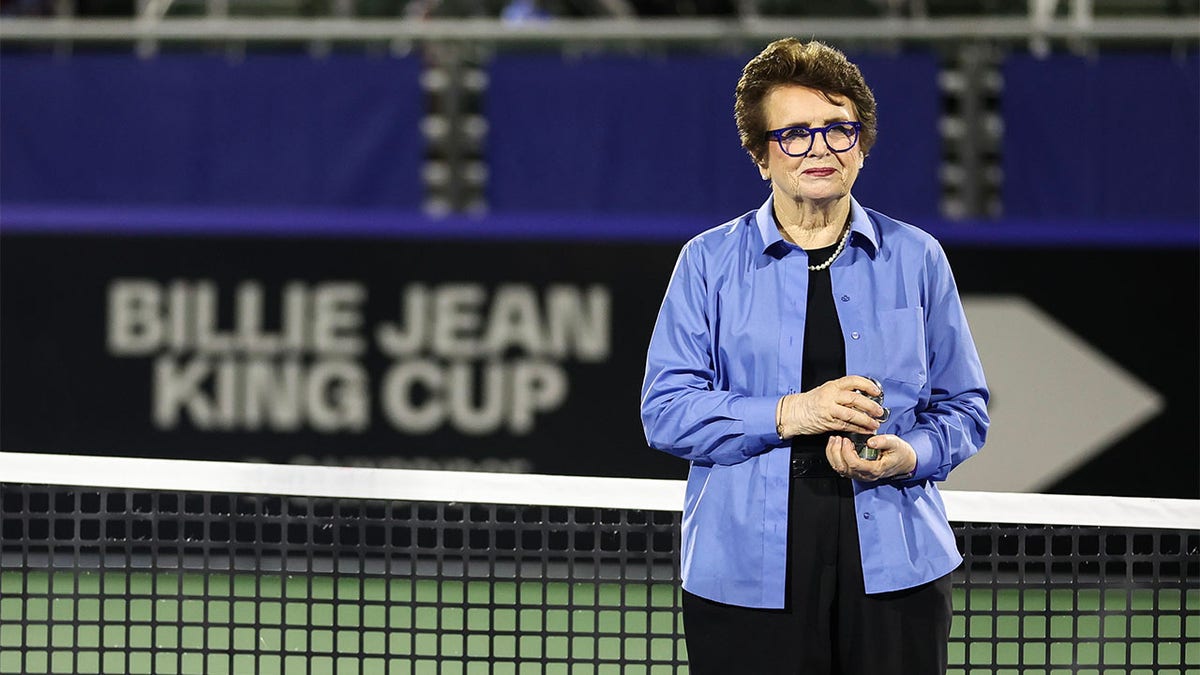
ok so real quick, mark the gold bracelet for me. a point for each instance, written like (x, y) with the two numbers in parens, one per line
(779, 418)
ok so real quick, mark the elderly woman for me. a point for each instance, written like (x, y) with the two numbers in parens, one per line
(780, 333)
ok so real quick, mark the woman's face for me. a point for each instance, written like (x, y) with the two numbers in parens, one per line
(822, 175)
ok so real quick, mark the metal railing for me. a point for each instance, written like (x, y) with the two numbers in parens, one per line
(593, 30)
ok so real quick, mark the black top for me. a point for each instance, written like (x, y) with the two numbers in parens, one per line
(824, 355)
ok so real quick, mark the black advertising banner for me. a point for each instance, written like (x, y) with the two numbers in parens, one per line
(497, 356)
(504, 354)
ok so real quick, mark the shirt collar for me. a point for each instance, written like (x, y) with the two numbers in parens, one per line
(764, 219)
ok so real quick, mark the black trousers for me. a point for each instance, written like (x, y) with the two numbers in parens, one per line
(829, 625)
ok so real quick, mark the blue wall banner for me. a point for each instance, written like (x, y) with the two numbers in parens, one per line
(205, 130)
(1107, 138)
(620, 135)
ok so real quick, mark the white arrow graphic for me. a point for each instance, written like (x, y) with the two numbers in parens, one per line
(1057, 401)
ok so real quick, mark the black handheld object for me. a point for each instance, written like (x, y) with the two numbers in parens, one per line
(860, 440)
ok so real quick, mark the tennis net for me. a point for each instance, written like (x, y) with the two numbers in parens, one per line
(120, 565)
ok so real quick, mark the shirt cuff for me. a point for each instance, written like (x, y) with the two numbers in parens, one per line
(758, 423)
(926, 464)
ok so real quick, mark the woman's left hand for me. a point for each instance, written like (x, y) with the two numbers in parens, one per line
(896, 458)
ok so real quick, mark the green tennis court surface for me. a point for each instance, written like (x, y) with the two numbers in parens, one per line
(1064, 631)
(168, 623)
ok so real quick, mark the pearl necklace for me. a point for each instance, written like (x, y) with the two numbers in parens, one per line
(838, 251)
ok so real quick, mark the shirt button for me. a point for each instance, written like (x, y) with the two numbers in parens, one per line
(854, 335)
(845, 298)
(867, 516)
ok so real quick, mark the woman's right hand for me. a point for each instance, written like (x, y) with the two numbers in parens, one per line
(833, 406)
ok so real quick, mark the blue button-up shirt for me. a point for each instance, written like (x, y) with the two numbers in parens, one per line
(728, 343)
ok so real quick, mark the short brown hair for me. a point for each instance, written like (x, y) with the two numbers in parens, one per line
(810, 64)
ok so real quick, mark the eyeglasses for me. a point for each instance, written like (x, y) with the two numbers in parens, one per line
(798, 141)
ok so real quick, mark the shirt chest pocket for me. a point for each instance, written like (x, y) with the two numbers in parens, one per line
(904, 356)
